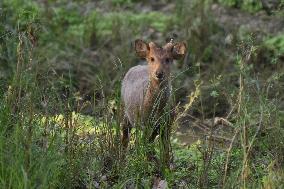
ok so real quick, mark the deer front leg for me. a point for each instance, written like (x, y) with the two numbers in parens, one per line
(165, 146)
(166, 138)
(164, 162)
(154, 134)
(151, 155)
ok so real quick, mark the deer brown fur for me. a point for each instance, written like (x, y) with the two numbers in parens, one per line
(146, 89)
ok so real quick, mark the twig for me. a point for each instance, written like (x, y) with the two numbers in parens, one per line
(228, 156)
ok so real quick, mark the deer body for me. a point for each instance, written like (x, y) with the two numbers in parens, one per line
(146, 89)
(143, 97)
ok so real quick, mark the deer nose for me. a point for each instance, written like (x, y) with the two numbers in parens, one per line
(159, 74)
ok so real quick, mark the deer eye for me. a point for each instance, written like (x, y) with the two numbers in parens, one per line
(152, 59)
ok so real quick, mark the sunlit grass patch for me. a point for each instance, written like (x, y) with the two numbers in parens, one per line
(82, 124)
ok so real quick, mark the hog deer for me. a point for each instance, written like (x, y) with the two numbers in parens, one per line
(146, 89)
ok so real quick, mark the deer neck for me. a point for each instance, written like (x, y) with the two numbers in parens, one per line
(156, 91)
(156, 86)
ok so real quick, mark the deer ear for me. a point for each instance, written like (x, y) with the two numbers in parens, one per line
(141, 48)
(179, 50)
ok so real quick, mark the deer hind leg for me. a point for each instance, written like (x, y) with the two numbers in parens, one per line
(126, 128)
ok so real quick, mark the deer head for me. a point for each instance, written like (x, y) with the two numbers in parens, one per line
(159, 58)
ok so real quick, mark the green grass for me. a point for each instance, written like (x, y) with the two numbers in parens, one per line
(247, 5)
(276, 44)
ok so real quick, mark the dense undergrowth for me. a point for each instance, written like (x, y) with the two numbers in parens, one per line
(61, 64)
